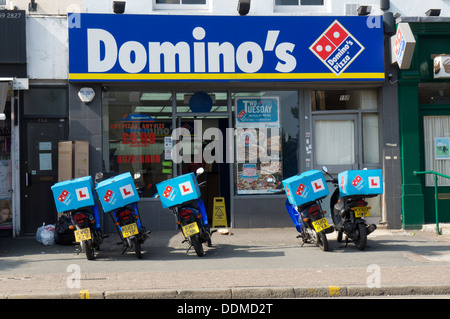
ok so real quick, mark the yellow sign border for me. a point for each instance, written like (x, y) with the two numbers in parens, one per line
(223, 76)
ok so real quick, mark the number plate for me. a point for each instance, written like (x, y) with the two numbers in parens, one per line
(129, 230)
(320, 224)
(190, 229)
(82, 234)
(361, 211)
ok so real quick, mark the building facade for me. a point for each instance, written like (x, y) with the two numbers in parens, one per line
(322, 72)
(424, 105)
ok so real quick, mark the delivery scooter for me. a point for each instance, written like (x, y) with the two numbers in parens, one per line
(76, 199)
(182, 196)
(118, 197)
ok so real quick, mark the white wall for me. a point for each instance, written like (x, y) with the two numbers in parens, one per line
(49, 7)
(47, 44)
(228, 7)
(47, 47)
(267, 7)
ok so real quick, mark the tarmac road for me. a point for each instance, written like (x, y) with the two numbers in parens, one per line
(249, 263)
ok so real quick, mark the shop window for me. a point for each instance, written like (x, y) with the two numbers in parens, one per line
(434, 93)
(336, 141)
(136, 136)
(296, 2)
(180, 4)
(332, 100)
(437, 148)
(48, 102)
(181, 1)
(346, 130)
(266, 146)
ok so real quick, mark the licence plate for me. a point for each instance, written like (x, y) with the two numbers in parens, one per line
(129, 230)
(361, 211)
(320, 224)
(190, 229)
(82, 234)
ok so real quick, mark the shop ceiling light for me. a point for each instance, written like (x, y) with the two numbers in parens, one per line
(119, 7)
(433, 12)
(364, 10)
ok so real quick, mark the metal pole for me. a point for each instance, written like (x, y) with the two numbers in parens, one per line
(436, 203)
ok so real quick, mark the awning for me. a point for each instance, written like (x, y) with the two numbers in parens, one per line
(5, 86)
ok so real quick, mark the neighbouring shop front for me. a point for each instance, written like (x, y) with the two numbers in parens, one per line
(254, 100)
(424, 110)
(13, 79)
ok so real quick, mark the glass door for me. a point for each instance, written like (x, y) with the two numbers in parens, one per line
(335, 142)
(202, 119)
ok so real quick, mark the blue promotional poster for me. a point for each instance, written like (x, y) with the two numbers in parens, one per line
(257, 112)
(258, 145)
(109, 47)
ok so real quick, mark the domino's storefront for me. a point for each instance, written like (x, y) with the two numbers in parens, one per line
(251, 99)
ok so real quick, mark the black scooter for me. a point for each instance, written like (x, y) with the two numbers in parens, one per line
(348, 215)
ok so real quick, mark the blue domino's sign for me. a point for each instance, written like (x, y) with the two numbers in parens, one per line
(108, 47)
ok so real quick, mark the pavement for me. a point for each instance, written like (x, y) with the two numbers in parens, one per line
(265, 263)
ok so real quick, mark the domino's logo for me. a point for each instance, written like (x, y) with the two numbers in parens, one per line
(336, 48)
(108, 195)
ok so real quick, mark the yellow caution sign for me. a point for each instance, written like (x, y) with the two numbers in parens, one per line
(219, 214)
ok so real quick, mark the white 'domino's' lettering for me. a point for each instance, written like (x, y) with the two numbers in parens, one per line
(133, 56)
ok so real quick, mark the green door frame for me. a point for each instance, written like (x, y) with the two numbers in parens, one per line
(428, 191)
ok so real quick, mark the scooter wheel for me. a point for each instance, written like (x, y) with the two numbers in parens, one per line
(136, 247)
(88, 249)
(361, 241)
(197, 246)
(322, 241)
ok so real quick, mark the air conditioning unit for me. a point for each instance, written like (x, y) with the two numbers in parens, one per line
(2, 4)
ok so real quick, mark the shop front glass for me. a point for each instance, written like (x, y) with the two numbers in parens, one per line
(138, 128)
(345, 132)
(267, 131)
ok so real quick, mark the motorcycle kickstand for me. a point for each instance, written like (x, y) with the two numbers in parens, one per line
(303, 240)
(190, 246)
(346, 242)
(125, 246)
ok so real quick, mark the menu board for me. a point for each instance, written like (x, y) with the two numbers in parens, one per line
(258, 145)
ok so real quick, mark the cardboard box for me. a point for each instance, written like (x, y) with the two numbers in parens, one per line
(178, 190)
(73, 194)
(306, 187)
(361, 182)
(73, 159)
(65, 161)
(80, 159)
(117, 192)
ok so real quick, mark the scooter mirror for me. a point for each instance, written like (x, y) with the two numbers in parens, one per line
(98, 175)
(200, 170)
(325, 169)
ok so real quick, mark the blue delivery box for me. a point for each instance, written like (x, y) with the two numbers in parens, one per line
(306, 187)
(361, 182)
(73, 194)
(116, 192)
(178, 190)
